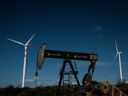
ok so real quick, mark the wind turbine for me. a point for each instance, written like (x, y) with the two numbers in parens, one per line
(25, 56)
(118, 53)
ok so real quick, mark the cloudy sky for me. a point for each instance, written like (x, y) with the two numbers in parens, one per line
(89, 26)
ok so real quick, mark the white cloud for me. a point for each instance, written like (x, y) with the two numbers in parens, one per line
(97, 28)
(29, 80)
(82, 64)
(104, 63)
(39, 83)
(100, 36)
(110, 75)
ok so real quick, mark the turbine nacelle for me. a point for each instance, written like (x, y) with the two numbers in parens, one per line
(27, 43)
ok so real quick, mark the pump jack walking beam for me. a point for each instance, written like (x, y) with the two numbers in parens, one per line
(45, 53)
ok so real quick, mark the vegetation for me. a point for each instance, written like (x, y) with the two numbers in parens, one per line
(45, 91)
(40, 91)
(123, 86)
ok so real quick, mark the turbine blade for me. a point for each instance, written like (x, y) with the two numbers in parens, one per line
(115, 57)
(29, 40)
(116, 46)
(15, 41)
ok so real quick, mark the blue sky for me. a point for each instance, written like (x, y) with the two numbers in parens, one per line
(78, 26)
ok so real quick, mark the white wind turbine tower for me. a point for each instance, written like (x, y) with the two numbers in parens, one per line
(118, 53)
(25, 56)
